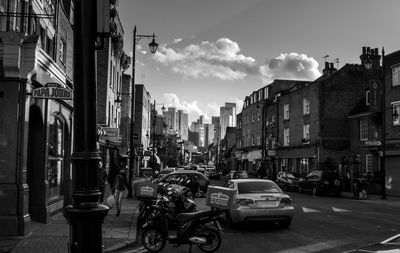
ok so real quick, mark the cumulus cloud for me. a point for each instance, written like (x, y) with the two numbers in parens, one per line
(290, 66)
(220, 59)
(193, 108)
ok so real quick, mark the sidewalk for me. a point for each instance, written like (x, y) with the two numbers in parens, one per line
(372, 198)
(118, 232)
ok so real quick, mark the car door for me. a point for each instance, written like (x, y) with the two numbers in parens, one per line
(309, 181)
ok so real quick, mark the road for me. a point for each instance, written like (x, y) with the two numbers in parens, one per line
(320, 224)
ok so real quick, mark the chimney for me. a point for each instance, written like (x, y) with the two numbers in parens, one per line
(371, 54)
(329, 68)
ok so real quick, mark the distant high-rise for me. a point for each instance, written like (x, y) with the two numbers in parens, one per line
(208, 134)
(170, 117)
(227, 117)
(182, 124)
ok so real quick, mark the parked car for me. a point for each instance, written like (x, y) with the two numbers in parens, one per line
(237, 174)
(320, 182)
(287, 181)
(166, 171)
(389, 245)
(199, 182)
(260, 199)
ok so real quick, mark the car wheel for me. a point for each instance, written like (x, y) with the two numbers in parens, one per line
(314, 190)
(285, 223)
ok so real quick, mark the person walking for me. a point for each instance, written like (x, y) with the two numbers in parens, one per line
(102, 181)
(120, 185)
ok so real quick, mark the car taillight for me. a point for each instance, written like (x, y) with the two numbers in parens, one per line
(286, 201)
(244, 202)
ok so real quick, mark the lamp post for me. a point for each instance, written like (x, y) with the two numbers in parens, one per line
(86, 215)
(154, 130)
(153, 48)
(368, 64)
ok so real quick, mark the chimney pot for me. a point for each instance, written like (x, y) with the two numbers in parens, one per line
(376, 51)
(368, 50)
(364, 50)
(331, 65)
(326, 65)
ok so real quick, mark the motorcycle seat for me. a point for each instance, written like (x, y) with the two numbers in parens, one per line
(187, 216)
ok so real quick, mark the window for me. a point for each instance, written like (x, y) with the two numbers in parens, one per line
(55, 158)
(306, 132)
(396, 109)
(306, 106)
(284, 164)
(396, 75)
(363, 130)
(258, 114)
(252, 140)
(367, 97)
(286, 111)
(286, 137)
(62, 50)
(265, 92)
(258, 140)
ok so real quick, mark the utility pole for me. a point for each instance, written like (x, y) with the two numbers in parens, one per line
(86, 215)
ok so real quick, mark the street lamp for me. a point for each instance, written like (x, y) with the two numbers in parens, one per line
(153, 48)
(368, 63)
(154, 130)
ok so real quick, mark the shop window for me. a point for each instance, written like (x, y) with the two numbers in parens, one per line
(284, 164)
(306, 133)
(55, 151)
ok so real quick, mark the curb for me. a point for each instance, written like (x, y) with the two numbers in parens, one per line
(131, 236)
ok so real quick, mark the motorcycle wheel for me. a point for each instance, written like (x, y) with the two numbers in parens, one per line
(153, 240)
(213, 240)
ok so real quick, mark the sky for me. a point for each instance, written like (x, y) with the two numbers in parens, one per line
(216, 51)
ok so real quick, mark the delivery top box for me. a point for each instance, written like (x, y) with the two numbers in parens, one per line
(220, 197)
(146, 189)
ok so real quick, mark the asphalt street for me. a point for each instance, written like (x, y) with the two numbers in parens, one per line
(320, 224)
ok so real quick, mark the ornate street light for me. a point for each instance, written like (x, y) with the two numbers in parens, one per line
(153, 48)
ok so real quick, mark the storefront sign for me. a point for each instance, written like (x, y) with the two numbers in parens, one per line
(110, 131)
(52, 91)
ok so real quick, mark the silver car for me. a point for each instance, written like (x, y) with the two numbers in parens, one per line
(260, 200)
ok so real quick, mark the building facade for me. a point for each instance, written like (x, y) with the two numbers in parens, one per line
(35, 138)
(227, 116)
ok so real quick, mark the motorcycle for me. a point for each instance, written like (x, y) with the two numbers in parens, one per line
(193, 229)
(177, 197)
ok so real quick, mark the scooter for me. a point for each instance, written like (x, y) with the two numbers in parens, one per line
(192, 230)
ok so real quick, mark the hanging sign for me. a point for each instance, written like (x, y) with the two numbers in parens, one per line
(374, 96)
(52, 91)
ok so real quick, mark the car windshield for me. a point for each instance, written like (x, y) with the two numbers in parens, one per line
(258, 187)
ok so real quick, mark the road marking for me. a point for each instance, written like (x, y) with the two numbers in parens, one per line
(315, 247)
(339, 209)
(309, 210)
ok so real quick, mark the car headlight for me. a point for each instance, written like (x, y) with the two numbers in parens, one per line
(286, 201)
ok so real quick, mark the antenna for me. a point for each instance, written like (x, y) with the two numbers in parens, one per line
(337, 62)
(326, 56)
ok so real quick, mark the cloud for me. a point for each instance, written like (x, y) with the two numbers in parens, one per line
(220, 59)
(290, 66)
(193, 108)
(177, 40)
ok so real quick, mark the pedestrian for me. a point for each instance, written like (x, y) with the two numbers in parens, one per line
(120, 185)
(102, 181)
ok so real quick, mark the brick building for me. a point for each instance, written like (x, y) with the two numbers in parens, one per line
(392, 121)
